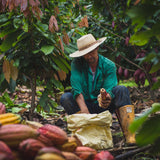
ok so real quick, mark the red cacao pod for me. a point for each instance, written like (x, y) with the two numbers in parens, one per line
(104, 155)
(137, 72)
(56, 135)
(30, 147)
(113, 24)
(127, 41)
(120, 71)
(85, 153)
(5, 151)
(126, 73)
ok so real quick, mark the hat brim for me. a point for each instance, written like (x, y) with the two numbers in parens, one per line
(89, 49)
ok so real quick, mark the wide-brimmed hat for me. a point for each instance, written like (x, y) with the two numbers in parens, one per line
(86, 44)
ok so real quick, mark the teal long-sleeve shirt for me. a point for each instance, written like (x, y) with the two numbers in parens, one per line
(82, 78)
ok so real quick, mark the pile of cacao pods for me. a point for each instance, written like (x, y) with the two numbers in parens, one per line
(30, 140)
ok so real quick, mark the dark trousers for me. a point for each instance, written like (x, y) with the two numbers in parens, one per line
(122, 98)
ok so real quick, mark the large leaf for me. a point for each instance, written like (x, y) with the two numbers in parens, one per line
(142, 38)
(149, 131)
(139, 14)
(8, 42)
(155, 67)
(137, 123)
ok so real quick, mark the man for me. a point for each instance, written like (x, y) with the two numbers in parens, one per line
(89, 73)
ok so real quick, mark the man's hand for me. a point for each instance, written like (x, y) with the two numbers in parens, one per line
(104, 103)
(81, 103)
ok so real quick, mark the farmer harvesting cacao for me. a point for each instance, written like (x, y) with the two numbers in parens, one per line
(92, 73)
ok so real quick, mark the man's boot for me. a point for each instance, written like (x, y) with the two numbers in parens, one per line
(125, 116)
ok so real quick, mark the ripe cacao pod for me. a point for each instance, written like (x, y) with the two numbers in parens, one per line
(48, 153)
(120, 71)
(13, 134)
(45, 140)
(49, 156)
(6, 151)
(70, 145)
(33, 124)
(85, 153)
(30, 147)
(2, 108)
(9, 118)
(54, 133)
(127, 41)
(104, 155)
(126, 73)
(70, 156)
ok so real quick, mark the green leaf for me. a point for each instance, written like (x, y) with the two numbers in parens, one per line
(155, 67)
(25, 26)
(60, 64)
(47, 49)
(137, 123)
(139, 14)
(149, 131)
(6, 31)
(8, 42)
(141, 38)
(3, 18)
(58, 84)
(157, 84)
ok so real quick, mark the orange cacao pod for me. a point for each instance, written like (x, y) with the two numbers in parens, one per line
(70, 145)
(13, 134)
(85, 153)
(54, 133)
(30, 147)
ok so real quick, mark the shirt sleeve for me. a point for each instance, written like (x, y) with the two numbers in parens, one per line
(110, 79)
(76, 79)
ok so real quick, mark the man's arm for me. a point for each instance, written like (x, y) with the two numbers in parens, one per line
(81, 103)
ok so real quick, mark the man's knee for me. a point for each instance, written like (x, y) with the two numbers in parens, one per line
(120, 89)
(67, 96)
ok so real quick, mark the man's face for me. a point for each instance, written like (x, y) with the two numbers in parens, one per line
(92, 57)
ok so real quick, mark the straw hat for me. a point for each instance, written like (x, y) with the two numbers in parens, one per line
(86, 44)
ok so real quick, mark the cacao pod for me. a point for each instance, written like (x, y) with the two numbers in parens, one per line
(13, 134)
(70, 145)
(120, 71)
(45, 140)
(104, 155)
(9, 118)
(137, 72)
(2, 108)
(49, 153)
(127, 41)
(70, 156)
(54, 133)
(49, 156)
(30, 147)
(85, 153)
(4, 149)
(4, 156)
(33, 124)
(126, 73)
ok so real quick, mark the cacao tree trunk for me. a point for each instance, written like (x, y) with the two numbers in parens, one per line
(33, 89)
